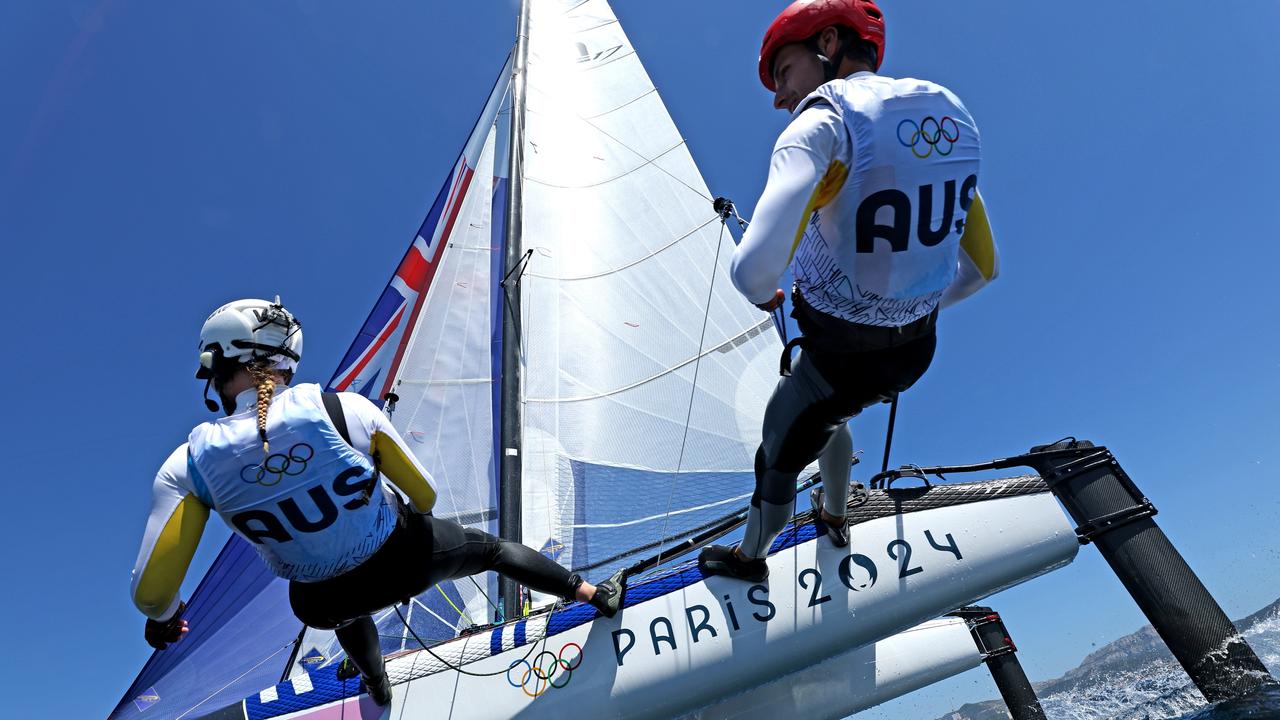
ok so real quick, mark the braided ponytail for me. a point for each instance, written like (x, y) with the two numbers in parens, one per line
(262, 375)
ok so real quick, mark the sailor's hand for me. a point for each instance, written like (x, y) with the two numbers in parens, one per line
(162, 633)
(773, 304)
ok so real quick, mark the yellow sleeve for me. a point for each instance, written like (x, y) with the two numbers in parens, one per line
(159, 577)
(978, 242)
(396, 465)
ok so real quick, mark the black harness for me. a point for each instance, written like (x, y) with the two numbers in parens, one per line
(832, 335)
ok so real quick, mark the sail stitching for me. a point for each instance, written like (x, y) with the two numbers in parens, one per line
(646, 163)
(630, 264)
(756, 329)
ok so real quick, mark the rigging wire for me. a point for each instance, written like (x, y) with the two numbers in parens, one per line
(693, 390)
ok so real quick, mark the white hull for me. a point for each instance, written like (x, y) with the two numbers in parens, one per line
(692, 646)
(859, 679)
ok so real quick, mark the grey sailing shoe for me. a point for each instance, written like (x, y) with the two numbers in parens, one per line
(839, 534)
(608, 597)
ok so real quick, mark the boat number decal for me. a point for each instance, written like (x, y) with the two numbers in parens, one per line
(856, 572)
(547, 670)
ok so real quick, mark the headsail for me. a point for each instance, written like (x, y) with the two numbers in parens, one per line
(433, 341)
(645, 373)
(431, 332)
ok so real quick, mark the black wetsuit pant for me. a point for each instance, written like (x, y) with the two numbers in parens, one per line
(806, 419)
(419, 553)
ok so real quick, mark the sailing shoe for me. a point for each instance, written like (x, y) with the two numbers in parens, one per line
(379, 689)
(838, 533)
(608, 597)
(723, 560)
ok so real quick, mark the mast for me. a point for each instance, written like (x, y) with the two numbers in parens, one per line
(509, 491)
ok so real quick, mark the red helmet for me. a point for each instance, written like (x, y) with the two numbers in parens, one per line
(805, 18)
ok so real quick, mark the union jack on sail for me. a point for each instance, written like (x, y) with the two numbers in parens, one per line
(370, 365)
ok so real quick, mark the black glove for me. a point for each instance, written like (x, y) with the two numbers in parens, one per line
(160, 634)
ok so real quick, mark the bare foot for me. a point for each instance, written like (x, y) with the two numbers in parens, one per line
(585, 592)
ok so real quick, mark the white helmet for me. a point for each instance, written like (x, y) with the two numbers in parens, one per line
(246, 330)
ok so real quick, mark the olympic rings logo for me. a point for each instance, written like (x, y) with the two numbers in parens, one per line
(940, 135)
(274, 469)
(548, 670)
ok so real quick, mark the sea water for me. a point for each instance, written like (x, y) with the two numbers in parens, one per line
(1162, 690)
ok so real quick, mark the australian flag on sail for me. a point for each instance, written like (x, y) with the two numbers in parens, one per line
(370, 365)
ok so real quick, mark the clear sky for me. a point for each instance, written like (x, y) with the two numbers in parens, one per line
(160, 158)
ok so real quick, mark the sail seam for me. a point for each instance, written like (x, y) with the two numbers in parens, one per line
(646, 163)
(659, 516)
(189, 710)
(625, 104)
(439, 383)
(610, 61)
(757, 329)
(633, 263)
(695, 191)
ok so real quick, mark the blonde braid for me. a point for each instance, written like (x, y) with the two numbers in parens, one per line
(261, 372)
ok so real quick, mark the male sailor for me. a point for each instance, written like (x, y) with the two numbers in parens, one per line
(872, 200)
(326, 491)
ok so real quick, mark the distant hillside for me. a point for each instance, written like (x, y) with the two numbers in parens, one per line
(1132, 656)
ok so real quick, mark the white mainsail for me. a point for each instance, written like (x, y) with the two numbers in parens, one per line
(639, 424)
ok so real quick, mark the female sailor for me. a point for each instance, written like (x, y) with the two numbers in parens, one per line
(324, 488)
(872, 201)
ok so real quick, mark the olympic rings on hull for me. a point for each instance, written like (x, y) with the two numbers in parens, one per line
(934, 133)
(277, 466)
(548, 670)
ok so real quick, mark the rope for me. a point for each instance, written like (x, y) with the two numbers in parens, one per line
(457, 669)
(461, 614)
(888, 434)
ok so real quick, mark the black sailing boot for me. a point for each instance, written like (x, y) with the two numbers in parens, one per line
(379, 688)
(724, 560)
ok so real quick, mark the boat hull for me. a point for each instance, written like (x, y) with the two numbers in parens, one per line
(859, 679)
(684, 641)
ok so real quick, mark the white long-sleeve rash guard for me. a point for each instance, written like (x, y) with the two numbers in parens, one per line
(180, 505)
(801, 158)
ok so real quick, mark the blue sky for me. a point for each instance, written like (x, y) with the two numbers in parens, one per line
(160, 158)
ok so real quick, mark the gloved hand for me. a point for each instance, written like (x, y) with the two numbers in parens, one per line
(160, 634)
(773, 304)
